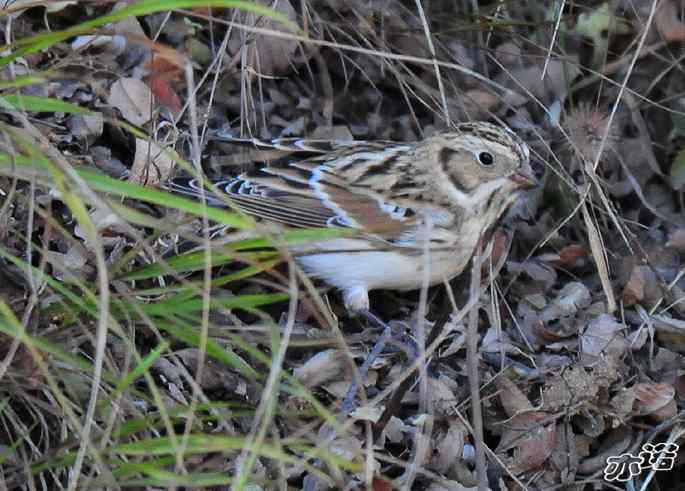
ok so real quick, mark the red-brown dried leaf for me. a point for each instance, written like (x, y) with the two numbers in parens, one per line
(545, 334)
(532, 437)
(500, 247)
(665, 413)
(161, 67)
(381, 484)
(676, 240)
(651, 397)
(570, 255)
(164, 95)
(668, 21)
(513, 400)
(634, 291)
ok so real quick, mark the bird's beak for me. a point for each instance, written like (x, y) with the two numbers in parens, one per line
(525, 178)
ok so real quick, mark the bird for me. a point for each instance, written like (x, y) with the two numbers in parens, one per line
(415, 209)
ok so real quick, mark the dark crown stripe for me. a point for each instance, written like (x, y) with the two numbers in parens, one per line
(495, 134)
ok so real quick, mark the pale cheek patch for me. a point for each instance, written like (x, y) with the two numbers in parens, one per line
(446, 187)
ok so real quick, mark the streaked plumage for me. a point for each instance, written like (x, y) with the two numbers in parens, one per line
(447, 189)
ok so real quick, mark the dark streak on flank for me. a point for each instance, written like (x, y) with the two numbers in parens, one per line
(489, 203)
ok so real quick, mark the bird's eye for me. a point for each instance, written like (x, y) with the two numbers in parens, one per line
(486, 158)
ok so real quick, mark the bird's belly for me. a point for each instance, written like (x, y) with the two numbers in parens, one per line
(372, 269)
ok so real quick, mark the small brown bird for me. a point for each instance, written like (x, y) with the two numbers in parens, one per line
(437, 196)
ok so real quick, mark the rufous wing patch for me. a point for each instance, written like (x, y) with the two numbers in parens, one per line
(365, 211)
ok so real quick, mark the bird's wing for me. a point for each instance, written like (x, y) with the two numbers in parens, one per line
(261, 201)
(297, 145)
(328, 188)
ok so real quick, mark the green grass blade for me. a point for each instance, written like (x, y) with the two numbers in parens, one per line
(139, 370)
(42, 104)
(22, 81)
(222, 354)
(180, 305)
(10, 165)
(195, 286)
(194, 261)
(159, 477)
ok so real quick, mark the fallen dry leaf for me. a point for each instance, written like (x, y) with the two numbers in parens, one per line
(323, 367)
(449, 485)
(485, 101)
(396, 429)
(573, 297)
(676, 240)
(498, 342)
(214, 375)
(152, 165)
(442, 398)
(634, 291)
(17, 7)
(449, 446)
(668, 21)
(513, 400)
(133, 98)
(160, 66)
(381, 484)
(622, 404)
(670, 332)
(569, 388)
(89, 126)
(165, 95)
(654, 400)
(347, 448)
(532, 437)
(530, 434)
(552, 87)
(70, 267)
(367, 413)
(269, 55)
(571, 256)
(603, 337)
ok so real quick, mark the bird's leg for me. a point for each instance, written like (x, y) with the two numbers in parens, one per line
(348, 401)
